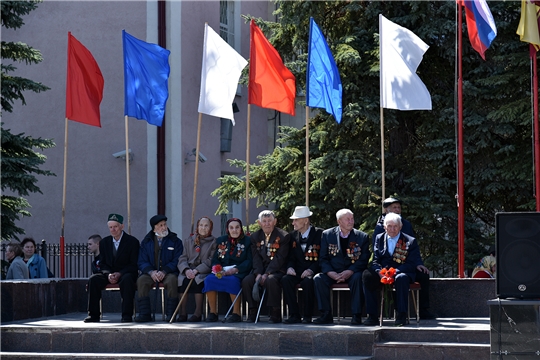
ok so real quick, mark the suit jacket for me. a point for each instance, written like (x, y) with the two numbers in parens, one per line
(334, 260)
(301, 260)
(406, 229)
(126, 255)
(382, 258)
(262, 264)
(242, 255)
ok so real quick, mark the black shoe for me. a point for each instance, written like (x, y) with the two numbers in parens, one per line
(181, 318)
(307, 320)
(425, 314)
(401, 319)
(195, 318)
(212, 317)
(252, 315)
(371, 321)
(356, 319)
(142, 318)
(275, 320)
(326, 318)
(91, 319)
(234, 318)
(293, 319)
(127, 319)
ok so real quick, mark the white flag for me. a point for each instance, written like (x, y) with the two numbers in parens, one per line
(221, 70)
(401, 52)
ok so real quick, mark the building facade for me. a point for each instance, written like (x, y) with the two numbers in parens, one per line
(96, 182)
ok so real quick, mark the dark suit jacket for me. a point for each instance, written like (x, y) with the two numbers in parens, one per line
(126, 255)
(406, 229)
(261, 261)
(339, 262)
(382, 258)
(297, 257)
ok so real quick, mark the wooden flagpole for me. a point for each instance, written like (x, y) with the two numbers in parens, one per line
(307, 155)
(62, 239)
(461, 187)
(247, 165)
(196, 173)
(536, 125)
(383, 181)
(127, 179)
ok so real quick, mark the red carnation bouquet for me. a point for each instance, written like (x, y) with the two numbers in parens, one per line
(388, 275)
(217, 270)
(387, 279)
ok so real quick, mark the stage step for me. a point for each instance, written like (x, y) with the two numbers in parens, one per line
(421, 350)
(25, 356)
(63, 336)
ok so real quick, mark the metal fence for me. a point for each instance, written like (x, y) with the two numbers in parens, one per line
(77, 258)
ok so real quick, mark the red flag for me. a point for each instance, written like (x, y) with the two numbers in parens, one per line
(271, 84)
(84, 84)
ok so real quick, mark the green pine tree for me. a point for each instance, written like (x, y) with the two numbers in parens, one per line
(420, 149)
(20, 162)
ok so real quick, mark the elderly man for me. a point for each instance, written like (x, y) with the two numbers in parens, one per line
(93, 248)
(17, 268)
(270, 247)
(302, 265)
(393, 249)
(119, 253)
(393, 205)
(344, 256)
(158, 260)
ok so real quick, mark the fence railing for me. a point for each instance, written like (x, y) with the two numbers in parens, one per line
(77, 258)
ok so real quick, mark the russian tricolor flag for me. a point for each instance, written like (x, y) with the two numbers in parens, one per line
(480, 25)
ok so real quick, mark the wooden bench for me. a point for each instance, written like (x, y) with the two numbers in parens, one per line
(116, 287)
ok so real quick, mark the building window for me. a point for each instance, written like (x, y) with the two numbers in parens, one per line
(226, 21)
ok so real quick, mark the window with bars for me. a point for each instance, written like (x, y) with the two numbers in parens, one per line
(226, 21)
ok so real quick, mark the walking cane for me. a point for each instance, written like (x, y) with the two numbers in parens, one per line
(180, 302)
(232, 306)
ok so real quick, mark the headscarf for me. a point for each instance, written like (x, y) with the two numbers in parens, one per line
(241, 230)
(197, 235)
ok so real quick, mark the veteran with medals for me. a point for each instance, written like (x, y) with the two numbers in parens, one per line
(270, 247)
(344, 256)
(302, 265)
(394, 249)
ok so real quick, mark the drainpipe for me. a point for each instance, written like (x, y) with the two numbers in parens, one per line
(162, 41)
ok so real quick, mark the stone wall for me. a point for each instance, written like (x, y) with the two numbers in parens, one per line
(49, 297)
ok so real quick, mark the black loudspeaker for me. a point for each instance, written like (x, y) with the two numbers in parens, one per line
(518, 254)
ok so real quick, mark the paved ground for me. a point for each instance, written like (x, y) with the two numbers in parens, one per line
(112, 320)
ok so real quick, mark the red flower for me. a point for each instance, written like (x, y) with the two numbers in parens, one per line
(217, 270)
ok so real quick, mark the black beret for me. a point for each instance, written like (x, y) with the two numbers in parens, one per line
(156, 219)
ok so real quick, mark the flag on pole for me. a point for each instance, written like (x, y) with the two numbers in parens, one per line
(221, 70)
(529, 24)
(271, 84)
(323, 83)
(84, 84)
(480, 25)
(401, 52)
(146, 75)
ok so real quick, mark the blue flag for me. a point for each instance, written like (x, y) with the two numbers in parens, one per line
(146, 77)
(323, 82)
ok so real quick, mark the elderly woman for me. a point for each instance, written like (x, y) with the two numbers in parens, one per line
(36, 264)
(234, 256)
(195, 264)
(17, 269)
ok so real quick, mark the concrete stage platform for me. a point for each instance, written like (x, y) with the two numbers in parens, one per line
(67, 336)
